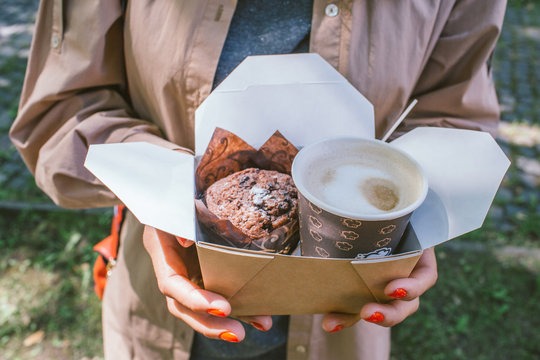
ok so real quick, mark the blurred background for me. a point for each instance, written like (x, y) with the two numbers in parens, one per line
(486, 304)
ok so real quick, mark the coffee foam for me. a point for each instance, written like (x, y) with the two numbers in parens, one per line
(366, 180)
(381, 193)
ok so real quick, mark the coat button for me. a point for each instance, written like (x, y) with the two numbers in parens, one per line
(55, 41)
(301, 349)
(331, 10)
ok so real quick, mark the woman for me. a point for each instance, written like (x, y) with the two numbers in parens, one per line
(105, 72)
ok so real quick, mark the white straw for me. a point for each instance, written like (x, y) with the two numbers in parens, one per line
(401, 118)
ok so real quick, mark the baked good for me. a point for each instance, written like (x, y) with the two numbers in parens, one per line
(255, 201)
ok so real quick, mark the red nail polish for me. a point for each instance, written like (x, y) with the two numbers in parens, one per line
(377, 317)
(229, 336)
(337, 328)
(399, 293)
(257, 326)
(216, 312)
(181, 240)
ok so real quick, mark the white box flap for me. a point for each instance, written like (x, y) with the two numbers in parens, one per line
(464, 170)
(278, 70)
(155, 183)
(300, 95)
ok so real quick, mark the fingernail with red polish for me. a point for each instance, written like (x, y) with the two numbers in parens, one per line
(181, 240)
(337, 328)
(257, 326)
(377, 317)
(216, 312)
(399, 293)
(229, 336)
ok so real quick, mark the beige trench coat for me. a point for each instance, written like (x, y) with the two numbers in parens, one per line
(101, 74)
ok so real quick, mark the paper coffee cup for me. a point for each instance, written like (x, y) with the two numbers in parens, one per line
(355, 196)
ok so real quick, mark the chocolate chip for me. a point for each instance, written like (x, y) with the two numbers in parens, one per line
(267, 225)
(244, 180)
(284, 206)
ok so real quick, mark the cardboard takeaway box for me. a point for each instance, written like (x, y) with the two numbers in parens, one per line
(306, 99)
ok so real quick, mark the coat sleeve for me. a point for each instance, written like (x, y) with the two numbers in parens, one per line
(455, 88)
(74, 96)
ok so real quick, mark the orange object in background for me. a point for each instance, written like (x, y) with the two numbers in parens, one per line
(108, 251)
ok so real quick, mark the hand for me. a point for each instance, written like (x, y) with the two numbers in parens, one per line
(205, 311)
(405, 291)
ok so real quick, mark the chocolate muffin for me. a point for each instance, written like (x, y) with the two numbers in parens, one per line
(255, 201)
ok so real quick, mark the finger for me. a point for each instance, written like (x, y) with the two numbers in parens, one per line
(210, 326)
(423, 277)
(184, 242)
(171, 275)
(260, 322)
(193, 297)
(389, 314)
(166, 254)
(335, 322)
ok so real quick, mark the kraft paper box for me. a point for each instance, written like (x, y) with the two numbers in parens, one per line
(306, 99)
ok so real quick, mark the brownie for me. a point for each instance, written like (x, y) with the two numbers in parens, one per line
(255, 201)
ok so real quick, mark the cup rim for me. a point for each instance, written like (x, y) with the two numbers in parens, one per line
(351, 215)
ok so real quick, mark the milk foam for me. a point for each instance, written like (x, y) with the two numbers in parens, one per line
(340, 186)
(355, 178)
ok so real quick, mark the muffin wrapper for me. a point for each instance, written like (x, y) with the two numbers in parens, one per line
(226, 154)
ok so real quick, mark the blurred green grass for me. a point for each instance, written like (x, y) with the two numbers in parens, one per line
(46, 284)
(483, 306)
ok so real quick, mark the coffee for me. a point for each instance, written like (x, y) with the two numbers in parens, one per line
(355, 197)
(381, 193)
(362, 181)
